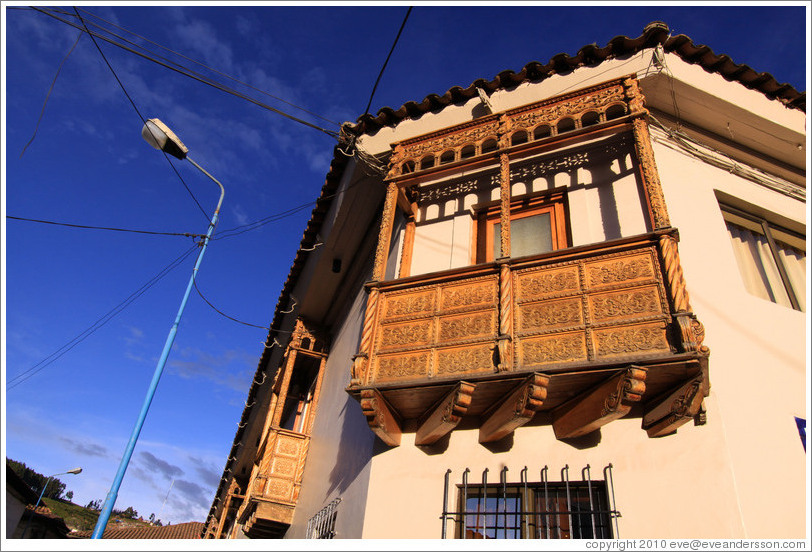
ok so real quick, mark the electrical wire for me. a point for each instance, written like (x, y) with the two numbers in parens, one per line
(387, 59)
(140, 116)
(48, 95)
(184, 234)
(112, 313)
(191, 74)
(224, 314)
(200, 64)
(686, 144)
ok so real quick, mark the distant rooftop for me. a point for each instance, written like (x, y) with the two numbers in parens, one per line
(190, 530)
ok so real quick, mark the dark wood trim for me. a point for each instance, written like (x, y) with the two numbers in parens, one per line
(443, 417)
(518, 408)
(602, 404)
(381, 419)
(665, 415)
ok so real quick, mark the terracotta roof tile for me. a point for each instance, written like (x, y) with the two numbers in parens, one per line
(190, 530)
(655, 33)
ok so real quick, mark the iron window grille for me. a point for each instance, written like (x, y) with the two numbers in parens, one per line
(562, 509)
(323, 524)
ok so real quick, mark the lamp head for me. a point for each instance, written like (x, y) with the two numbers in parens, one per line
(75, 471)
(160, 137)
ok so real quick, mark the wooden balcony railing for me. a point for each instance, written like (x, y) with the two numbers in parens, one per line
(274, 489)
(582, 334)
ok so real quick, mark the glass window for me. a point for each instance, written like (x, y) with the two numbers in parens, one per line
(771, 259)
(537, 225)
(552, 511)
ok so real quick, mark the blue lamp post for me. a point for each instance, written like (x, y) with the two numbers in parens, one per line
(74, 471)
(159, 136)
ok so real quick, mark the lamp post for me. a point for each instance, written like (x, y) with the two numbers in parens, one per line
(159, 136)
(74, 471)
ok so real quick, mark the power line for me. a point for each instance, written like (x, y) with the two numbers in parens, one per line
(140, 116)
(197, 63)
(184, 234)
(224, 314)
(112, 313)
(48, 95)
(387, 59)
(191, 74)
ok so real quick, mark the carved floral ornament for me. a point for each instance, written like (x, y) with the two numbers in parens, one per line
(600, 103)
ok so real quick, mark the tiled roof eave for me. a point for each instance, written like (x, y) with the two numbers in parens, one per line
(656, 33)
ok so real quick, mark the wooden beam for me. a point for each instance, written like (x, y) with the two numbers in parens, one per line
(666, 414)
(406, 205)
(382, 421)
(597, 407)
(445, 415)
(517, 409)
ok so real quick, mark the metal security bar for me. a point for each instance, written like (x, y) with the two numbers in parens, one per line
(323, 524)
(565, 509)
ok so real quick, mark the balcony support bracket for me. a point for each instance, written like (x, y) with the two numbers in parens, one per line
(664, 415)
(445, 415)
(381, 419)
(602, 404)
(518, 408)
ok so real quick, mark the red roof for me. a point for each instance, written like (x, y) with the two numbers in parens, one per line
(190, 530)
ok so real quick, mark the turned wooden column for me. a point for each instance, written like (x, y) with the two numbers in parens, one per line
(505, 340)
(361, 360)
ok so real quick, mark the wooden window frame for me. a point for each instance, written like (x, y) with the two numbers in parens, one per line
(488, 215)
(774, 234)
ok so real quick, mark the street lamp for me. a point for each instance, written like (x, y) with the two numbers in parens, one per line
(160, 137)
(74, 471)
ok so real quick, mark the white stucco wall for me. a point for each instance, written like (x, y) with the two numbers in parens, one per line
(341, 443)
(758, 348)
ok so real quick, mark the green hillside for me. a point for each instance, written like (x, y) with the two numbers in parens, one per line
(78, 518)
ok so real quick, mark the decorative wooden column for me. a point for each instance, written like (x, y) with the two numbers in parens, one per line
(408, 247)
(505, 340)
(283, 392)
(648, 167)
(692, 333)
(360, 363)
(232, 490)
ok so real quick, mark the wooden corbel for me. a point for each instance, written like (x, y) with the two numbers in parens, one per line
(602, 404)
(517, 409)
(665, 415)
(382, 421)
(445, 415)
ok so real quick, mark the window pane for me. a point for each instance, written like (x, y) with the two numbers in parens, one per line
(794, 262)
(757, 265)
(528, 236)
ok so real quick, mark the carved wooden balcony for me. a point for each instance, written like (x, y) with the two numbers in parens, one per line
(275, 487)
(582, 336)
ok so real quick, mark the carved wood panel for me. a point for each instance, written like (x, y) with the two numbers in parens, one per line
(421, 329)
(593, 308)
(408, 154)
(281, 469)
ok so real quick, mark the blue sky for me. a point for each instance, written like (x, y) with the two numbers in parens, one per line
(88, 165)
